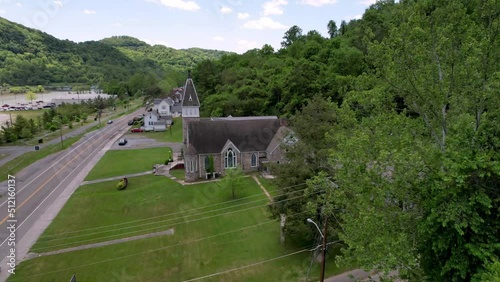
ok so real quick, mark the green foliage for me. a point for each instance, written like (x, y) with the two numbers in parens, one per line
(210, 168)
(121, 185)
(264, 82)
(233, 179)
(30, 96)
(26, 133)
(491, 273)
(31, 57)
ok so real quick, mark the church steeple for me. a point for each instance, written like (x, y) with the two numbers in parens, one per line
(190, 97)
(190, 105)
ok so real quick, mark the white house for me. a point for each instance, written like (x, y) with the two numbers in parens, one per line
(163, 107)
(152, 122)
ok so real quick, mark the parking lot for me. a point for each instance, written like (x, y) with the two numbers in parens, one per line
(137, 141)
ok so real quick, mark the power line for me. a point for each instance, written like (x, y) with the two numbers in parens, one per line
(147, 252)
(165, 215)
(153, 228)
(151, 223)
(247, 266)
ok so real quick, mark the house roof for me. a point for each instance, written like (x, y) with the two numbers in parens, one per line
(190, 97)
(209, 136)
(165, 118)
(243, 118)
(278, 138)
(177, 108)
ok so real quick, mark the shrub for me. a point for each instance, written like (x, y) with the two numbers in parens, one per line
(121, 185)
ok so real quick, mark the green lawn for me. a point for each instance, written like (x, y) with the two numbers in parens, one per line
(171, 135)
(178, 173)
(27, 114)
(213, 233)
(122, 162)
(269, 185)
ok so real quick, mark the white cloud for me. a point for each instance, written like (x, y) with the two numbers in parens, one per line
(245, 45)
(264, 23)
(318, 3)
(367, 2)
(3, 12)
(218, 38)
(155, 42)
(243, 16)
(178, 4)
(226, 10)
(274, 7)
(58, 3)
(19, 4)
(355, 17)
(89, 12)
(117, 24)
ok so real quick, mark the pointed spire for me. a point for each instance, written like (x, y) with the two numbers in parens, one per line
(190, 97)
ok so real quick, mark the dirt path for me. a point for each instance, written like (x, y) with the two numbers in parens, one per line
(263, 188)
(116, 178)
(102, 244)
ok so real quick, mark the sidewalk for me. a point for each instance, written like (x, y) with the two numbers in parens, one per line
(359, 275)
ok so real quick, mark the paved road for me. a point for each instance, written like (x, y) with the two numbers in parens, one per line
(41, 184)
(13, 152)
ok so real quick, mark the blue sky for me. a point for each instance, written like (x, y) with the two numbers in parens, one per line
(231, 25)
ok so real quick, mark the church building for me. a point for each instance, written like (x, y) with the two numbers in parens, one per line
(214, 145)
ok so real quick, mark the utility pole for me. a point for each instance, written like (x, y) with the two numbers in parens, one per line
(60, 131)
(323, 260)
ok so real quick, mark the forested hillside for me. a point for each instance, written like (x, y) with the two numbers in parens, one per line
(181, 59)
(398, 121)
(31, 57)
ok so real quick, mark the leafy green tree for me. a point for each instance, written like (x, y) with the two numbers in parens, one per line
(20, 123)
(332, 29)
(233, 179)
(26, 133)
(30, 96)
(291, 35)
(421, 191)
(307, 157)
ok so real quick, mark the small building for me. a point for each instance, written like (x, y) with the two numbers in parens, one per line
(249, 143)
(153, 122)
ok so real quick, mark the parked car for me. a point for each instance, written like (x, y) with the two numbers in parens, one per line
(122, 142)
(137, 130)
(110, 121)
(130, 122)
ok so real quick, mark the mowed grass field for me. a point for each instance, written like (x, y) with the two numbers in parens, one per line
(173, 134)
(214, 234)
(122, 162)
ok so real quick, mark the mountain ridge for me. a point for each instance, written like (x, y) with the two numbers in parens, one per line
(31, 57)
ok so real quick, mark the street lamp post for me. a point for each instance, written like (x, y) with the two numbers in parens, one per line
(323, 236)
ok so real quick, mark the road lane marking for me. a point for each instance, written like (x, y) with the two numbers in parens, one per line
(70, 152)
(57, 187)
(111, 134)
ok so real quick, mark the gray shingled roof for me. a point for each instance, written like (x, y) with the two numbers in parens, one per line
(177, 108)
(190, 95)
(209, 136)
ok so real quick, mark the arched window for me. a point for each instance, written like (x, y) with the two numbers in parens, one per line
(230, 159)
(254, 160)
(207, 163)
